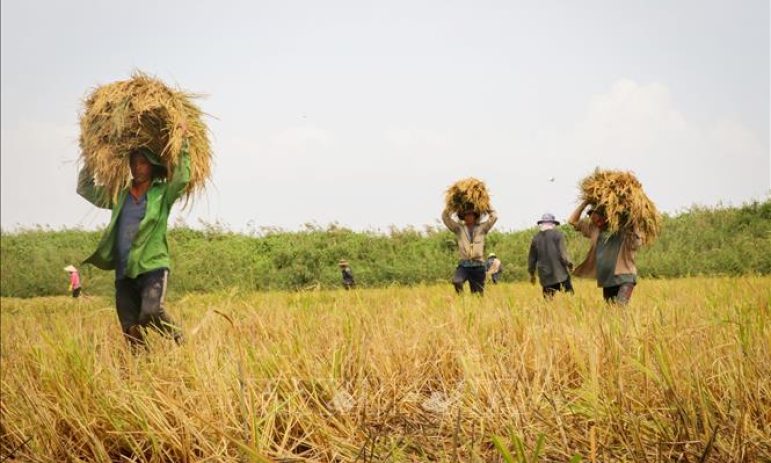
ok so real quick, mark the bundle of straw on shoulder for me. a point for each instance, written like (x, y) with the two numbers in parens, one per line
(142, 112)
(468, 194)
(620, 196)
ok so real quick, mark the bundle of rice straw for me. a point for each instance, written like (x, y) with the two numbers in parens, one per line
(621, 197)
(141, 112)
(468, 194)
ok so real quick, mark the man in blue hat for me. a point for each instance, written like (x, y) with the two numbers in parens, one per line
(134, 243)
(549, 256)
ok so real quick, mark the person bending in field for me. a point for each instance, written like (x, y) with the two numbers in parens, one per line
(134, 243)
(611, 255)
(74, 280)
(549, 256)
(494, 268)
(470, 234)
(348, 281)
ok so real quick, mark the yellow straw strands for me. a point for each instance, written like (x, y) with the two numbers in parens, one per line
(142, 112)
(468, 194)
(620, 196)
(400, 374)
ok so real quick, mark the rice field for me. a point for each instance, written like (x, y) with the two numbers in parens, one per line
(398, 374)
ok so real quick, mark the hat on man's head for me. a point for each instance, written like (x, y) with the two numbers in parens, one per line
(342, 262)
(598, 209)
(492, 254)
(150, 155)
(548, 218)
(70, 268)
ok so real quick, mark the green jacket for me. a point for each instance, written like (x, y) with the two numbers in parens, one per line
(150, 249)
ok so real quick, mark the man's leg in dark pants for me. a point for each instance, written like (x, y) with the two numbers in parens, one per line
(128, 302)
(609, 293)
(153, 291)
(459, 279)
(477, 276)
(624, 293)
(550, 290)
(618, 294)
(568, 285)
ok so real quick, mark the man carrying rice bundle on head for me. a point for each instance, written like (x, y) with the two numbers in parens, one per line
(621, 220)
(140, 157)
(468, 199)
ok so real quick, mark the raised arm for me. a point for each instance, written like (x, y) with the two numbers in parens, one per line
(585, 227)
(181, 176)
(448, 222)
(492, 217)
(91, 192)
(575, 217)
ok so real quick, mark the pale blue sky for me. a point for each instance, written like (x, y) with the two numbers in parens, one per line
(364, 112)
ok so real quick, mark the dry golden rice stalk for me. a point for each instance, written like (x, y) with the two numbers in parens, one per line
(468, 194)
(621, 197)
(141, 112)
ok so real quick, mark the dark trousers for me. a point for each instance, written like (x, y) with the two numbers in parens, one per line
(474, 275)
(76, 292)
(140, 305)
(551, 290)
(618, 294)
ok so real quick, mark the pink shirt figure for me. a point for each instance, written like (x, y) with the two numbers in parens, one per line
(75, 280)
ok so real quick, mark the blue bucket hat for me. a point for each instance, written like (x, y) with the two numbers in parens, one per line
(548, 218)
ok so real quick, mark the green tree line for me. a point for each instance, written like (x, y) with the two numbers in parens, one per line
(701, 241)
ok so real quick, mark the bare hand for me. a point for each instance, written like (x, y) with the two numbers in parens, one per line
(532, 279)
(182, 126)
